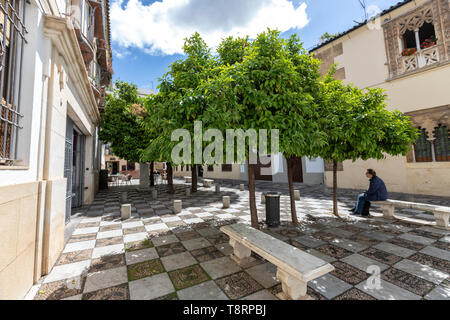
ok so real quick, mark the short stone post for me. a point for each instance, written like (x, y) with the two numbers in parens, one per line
(297, 194)
(188, 192)
(217, 188)
(226, 202)
(123, 197)
(263, 198)
(242, 187)
(125, 211)
(155, 194)
(177, 204)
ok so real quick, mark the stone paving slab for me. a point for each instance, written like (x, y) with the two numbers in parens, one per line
(161, 255)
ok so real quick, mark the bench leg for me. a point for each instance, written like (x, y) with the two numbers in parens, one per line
(293, 289)
(241, 254)
(442, 220)
(388, 211)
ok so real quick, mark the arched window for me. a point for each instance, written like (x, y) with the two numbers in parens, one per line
(422, 148)
(427, 35)
(442, 143)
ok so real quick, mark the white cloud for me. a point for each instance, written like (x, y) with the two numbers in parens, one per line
(160, 27)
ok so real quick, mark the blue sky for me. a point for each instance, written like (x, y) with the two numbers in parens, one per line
(147, 34)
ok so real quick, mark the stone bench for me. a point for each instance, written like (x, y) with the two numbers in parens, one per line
(207, 183)
(294, 266)
(441, 214)
(188, 179)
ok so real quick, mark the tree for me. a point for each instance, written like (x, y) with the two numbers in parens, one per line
(121, 124)
(326, 37)
(358, 126)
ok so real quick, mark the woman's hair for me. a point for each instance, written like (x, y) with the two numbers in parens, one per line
(372, 172)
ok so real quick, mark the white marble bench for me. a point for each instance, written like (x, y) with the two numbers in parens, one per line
(294, 266)
(188, 179)
(441, 214)
(207, 183)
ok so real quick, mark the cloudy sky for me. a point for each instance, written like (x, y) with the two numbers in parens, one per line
(147, 35)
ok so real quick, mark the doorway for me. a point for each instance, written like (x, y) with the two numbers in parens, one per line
(259, 166)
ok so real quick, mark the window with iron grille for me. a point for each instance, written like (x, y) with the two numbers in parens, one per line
(227, 167)
(442, 143)
(423, 148)
(12, 41)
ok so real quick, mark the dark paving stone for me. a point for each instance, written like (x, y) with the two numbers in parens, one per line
(134, 230)
(407, 281)
(88, 225)
(144, 269)
(381, 256)
(426, 234)
(188, 277)
(351, 228)
(407, 244)
(442, 245)
(296, 244)
(407, 224)
(107, 262)
(110, 228)
(188, 235)
(75, 256)
(364, 240)
(119, 292)
(206, 254)
(60, 289)
(290, 233)
(324, 236)
(108, 241)
(218, 238)
(238, 285)
(348, 273)
(334, 251)
(171, 296)
(170, 249)
(138, 245)
(354, 294)
(82, 237)
(430, 261)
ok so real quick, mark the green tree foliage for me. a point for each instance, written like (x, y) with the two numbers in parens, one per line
(357, 125)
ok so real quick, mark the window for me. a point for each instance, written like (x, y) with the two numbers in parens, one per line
(442, 143)
(210, 168)
(426, 32)
(409, 40)
(12, 41)
(124, 168)
(227, 167)
(418, 40)
(131, 166)
(422, 148)
(182, 168)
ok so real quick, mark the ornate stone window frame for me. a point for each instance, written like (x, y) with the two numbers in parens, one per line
(434, 11)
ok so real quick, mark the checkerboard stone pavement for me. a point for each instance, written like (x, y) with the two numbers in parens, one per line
(161, 255)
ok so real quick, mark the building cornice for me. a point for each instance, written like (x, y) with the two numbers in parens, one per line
(63, 37)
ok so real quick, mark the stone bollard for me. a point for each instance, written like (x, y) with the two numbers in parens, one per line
(297, 194)
(177, 204)
(188, 192)
(123, 197)
(263, 198)
(242, 187)
(125, 211)
(226, 202)
(217, 188)
(155, 194)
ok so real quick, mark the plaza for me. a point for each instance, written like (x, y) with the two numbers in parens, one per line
(157, 254)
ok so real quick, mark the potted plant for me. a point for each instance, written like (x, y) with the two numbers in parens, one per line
(428, 42)
(408, 52)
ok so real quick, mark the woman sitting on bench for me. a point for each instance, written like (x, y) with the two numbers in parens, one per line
(376, 192)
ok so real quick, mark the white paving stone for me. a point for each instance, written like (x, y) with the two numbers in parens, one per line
(203, 291)
(418, 239)
(156, 227)
(132, 224)
(85, 231)
(66, 271)
(421, 271)
(171, 219)
(107, 250)
(394, 249)
(388, 291)
(78, 246)
(362, 263)
(163, 240)
(151, 287)
(439, 293)
(135, 237)
(110, 234)
(436, 252)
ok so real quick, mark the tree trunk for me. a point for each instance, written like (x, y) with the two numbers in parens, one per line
(335, 203)
(152, 177)
(252, 198)
(170, 178)
(290, 173)
(194, 178)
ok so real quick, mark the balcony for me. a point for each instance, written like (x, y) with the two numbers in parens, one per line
(94, 74)
(420, 59)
